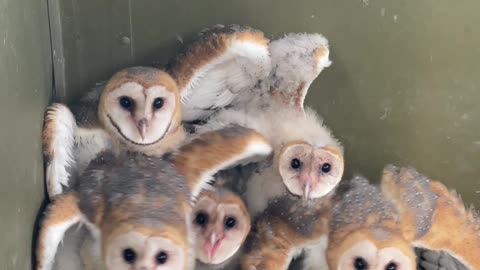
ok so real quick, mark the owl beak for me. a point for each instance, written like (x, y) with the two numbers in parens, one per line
(306, 191)
(213, 245)
(142, 126)
(307, 182)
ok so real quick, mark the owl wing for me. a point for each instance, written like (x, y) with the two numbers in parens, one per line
(297, 59)
(223, 62)
(199, 160)
(433, 217)
(71, 138)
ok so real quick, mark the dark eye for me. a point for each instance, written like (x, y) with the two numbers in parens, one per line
(129, 256)
(158, 103)
(161, 258)
(326, 167)
(360, 264)
(126, 103)
(296, 164)
(391, 266)
(230, 222)
(201, 219)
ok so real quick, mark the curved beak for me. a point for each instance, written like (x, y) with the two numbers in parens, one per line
(306, 191)
(307, 181)
(142, 126)
(212, 245)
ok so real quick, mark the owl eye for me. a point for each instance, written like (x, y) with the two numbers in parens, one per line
(326, 167)
(129, 256)
(161, 258)
(360, 264)
(158, 103)
(295, 164)
(201, 219)
(230, 222)
(126, 103)
(391, 266)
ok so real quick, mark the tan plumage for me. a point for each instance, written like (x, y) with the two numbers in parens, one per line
(137, 109)
(307, 162)
(138, 207)
(431, 215)
(365, 231)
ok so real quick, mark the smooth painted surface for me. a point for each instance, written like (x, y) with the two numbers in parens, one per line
(26, 85)
(403, 88)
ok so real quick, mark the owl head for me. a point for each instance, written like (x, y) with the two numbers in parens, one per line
(221, 224)
(140, 106)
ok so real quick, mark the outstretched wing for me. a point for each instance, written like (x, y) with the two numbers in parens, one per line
(58, 139)
(432, 216)
(211, 152)
(297, 59)
(221, 63)
(70, 140)
(62, 214)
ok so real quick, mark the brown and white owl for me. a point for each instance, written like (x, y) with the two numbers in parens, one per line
(138, 208)
(386, 228)
(307, 163)
(138, 110)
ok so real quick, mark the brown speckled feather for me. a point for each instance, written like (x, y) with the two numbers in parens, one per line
(445, 225)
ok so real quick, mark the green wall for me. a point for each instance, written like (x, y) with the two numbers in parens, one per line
(26, 85)
(403, 87)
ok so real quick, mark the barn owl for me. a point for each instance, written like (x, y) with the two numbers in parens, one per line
(379, 228)
(307, 162)
(138, 109)
(138, 208)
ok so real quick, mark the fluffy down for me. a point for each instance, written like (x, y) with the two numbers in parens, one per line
(279, 126)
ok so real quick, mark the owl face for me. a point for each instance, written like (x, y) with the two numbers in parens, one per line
(361, 252)
(140, 251)
(308, 171)
(221, 224)
(137, 113)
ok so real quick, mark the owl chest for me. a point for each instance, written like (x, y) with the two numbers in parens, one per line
(87, 146)
(306, 220)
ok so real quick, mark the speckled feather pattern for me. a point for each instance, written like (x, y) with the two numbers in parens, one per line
(300, 215)
(133, 184)
(418, 195)
(360, 201)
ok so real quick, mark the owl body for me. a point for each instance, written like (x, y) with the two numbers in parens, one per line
(138, 109)
(138, 207)
(379, 227)
(288, 227)
(307, 162)
(365, 231)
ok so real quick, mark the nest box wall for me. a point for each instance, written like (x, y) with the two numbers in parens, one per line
(26, 86)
